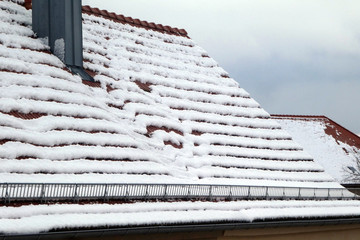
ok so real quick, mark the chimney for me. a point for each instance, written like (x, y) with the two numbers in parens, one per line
(60, 21)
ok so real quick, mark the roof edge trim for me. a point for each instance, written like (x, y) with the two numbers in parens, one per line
(183, 228)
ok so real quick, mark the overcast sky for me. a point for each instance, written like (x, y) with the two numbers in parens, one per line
(292, 56)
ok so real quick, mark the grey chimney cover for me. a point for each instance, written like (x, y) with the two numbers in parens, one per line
(61, 22)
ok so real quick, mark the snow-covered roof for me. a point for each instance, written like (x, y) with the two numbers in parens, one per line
(161, 111)
(331, 145)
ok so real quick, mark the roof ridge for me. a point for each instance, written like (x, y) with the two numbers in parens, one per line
(134, 21)
(123, 19)
(298, 116)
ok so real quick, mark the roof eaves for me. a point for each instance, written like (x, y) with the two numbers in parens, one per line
(81, 233)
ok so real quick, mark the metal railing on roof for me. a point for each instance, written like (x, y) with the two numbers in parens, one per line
(45, 192)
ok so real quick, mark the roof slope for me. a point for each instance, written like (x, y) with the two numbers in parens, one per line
(331, 145)
(161, 111)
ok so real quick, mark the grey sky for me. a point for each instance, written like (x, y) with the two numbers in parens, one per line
(292, 56)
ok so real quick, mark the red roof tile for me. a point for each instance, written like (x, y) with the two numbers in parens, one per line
(27, 4)
(121, 18)
(129, 20)
(137, 22)
(144, 24)
(96, 11)
(152, 129)
(144, 86)
(111, 14)
(104, 13)
(27, 116)
(159, 27)
(152, 25)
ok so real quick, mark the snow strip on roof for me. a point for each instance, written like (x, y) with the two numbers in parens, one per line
(43, 218)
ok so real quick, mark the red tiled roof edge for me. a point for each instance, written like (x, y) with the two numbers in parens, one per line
(126, 20)
(134, 22)
(319, 117)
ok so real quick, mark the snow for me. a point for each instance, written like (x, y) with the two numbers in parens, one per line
(324, 148)
(237, 139)
(41, 218)
(59, 49)
(188, 94)
(119, 133)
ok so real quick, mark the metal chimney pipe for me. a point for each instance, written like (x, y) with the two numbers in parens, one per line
(61, 22)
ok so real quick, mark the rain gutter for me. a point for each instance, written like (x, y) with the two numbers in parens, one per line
(99, 233)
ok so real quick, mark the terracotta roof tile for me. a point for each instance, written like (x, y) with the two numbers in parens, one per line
(183, 32)
(137, 22)
(144, 24)
(120, 17)
(174, 30)
(96, 11)
(3, 141)
(167, 28)
(159, 27)
(129, 20)
(27, 4)
(144, 86)
(92, 84)
(151, 129)
(152, 25)
(112, 15)
(104, 13)
(86, 8)
(26, 116)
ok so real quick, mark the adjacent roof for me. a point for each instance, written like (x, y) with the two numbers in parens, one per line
(161, 111)
(331, 145)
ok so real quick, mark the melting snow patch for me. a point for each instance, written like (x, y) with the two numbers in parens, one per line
(60, 49)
